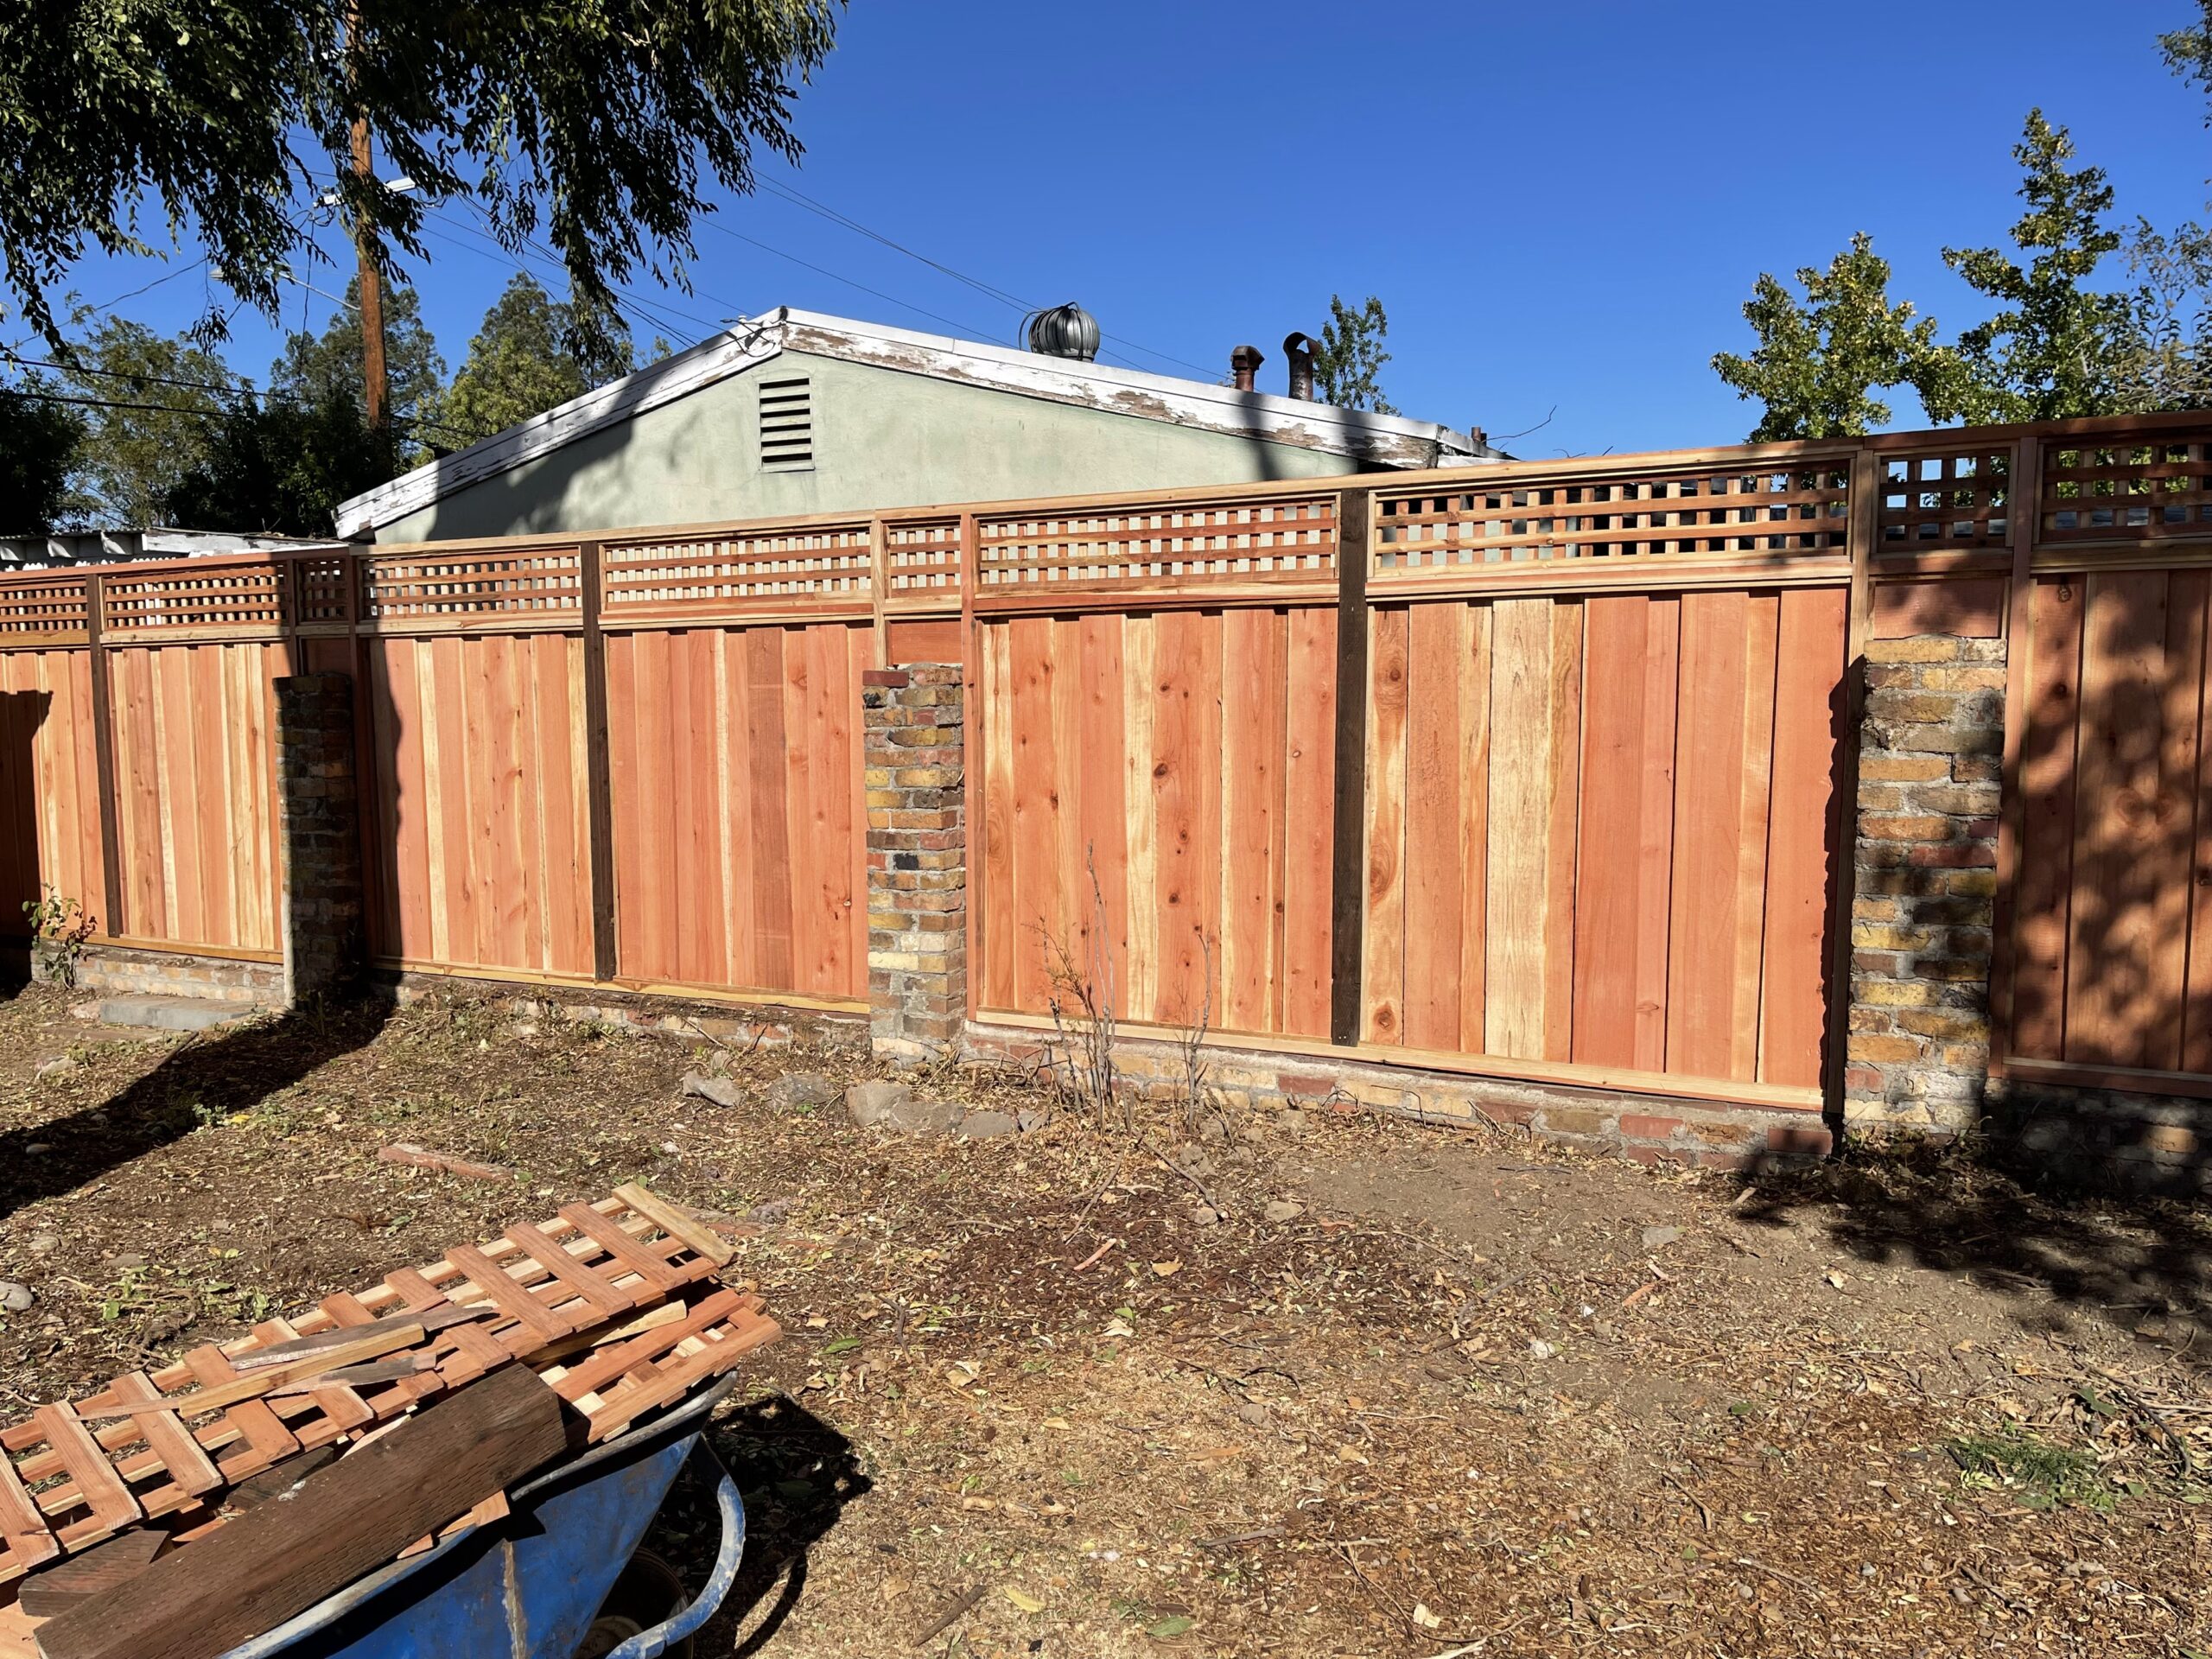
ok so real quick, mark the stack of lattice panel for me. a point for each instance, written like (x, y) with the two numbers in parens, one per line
(614, 1303)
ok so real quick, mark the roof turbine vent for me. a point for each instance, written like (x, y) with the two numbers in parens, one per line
(1063, 331)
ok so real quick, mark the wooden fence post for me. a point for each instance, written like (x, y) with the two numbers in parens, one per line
(598, 789)
(971, 714)
(103, 763)
(1348, 849)
(2023, 515)
(1863, 527)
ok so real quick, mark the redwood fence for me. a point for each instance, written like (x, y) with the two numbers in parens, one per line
(1534, 769)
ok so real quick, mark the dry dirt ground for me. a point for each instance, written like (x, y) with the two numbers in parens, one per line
(1470, 1397)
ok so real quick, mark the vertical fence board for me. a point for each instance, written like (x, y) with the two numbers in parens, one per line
(1521, 778)
(2042, 905)
(1565, 757)
(1309, 785)
(1805, 843)
(1141, 803)
(1437, 663)
(1613, 902)
(1761, 632)
(2115, 875)
(1103, 807)
(1708, 782)
(1382, 957)
(1252, 747)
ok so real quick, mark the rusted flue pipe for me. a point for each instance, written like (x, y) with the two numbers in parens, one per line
(1243, 364)
(1300, 350)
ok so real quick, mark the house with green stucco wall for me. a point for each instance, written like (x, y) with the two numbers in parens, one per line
(795, 412)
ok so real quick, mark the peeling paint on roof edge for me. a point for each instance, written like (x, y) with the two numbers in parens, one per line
(1379, 440)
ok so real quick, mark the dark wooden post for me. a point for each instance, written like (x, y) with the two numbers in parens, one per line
(111, 916)
(598, 790)
(1348, 867)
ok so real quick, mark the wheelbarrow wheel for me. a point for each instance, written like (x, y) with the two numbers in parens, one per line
(648, 1594)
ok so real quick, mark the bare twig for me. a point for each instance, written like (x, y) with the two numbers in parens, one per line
(961, 1606)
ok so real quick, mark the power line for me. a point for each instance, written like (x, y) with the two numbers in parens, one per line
(799, 197)
(968, 329)
(173, 409)
(244, 386)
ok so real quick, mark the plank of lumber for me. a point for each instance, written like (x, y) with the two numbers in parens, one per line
(673, 1222)
(279, 1477)
(168, 1438)
(401, 1152)
(61, 1586)
(99, 1485)
(339, 1335)
(636, 1258)
(256, 1383)
(23, 1529)
(280, 1559)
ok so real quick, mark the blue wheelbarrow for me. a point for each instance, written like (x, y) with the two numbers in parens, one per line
(538, 1585)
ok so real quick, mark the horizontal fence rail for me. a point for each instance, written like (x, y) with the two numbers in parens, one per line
(1597, 716)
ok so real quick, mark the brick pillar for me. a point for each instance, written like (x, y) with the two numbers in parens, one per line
(320, 817)
(917, 860)
(1925, 870)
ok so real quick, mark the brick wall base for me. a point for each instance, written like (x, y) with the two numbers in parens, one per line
(111, 970)
(768, 1026)
(1701, 1134)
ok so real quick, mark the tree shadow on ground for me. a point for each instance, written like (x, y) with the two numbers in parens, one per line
(796, 1474)
(208, 1077)
(2138, 1264)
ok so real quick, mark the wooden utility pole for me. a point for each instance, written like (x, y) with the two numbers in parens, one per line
(378, 394)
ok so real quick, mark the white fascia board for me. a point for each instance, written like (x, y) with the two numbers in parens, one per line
(1379, 440)
(1391, 440)
(650, 387)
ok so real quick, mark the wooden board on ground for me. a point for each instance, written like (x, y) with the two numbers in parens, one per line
(279, 1561)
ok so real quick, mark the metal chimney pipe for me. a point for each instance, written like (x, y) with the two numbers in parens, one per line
(1300, 350)
(1243, 364)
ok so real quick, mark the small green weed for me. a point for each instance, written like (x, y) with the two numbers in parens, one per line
(2041, 1475)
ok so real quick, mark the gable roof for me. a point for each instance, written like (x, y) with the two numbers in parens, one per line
(1376, 440)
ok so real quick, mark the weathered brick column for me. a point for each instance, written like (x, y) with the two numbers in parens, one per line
(319, 807)
(1925, 870)
(917, 860)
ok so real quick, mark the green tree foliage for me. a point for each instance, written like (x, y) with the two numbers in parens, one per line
(282, 464)
(38, 453)
(2187, 51)
(1817, 362)
(593, 118)
(316, 366)
(532, 353)
(2047, 354)
(159, 395)
(2163, 358)
(1349, 356)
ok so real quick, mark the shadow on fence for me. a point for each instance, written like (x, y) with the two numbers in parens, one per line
(201, 1083)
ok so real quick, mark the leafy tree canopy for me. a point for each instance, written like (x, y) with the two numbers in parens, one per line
(1349, 356)
(530, 355)
(38, 452)
(2044, 356)
(315, 367)
(157, 396)
(224, 118)
(283, 464)
(1817, 362)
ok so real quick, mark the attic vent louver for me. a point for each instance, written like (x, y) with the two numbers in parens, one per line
(786, 424)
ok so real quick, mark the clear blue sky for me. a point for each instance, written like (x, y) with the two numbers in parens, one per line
(1560, 205)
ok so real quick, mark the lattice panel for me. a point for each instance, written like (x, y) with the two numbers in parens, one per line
(1946, 500)
(620, 1314)
(1700, 514)
(543, 582)
(2127, 492)
(1292, 542)
(740, 572)
(246, 598)
(45, 606)
(922, 558)
(323, 588)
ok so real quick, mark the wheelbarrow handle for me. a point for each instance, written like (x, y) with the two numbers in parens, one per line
(650, 1644)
